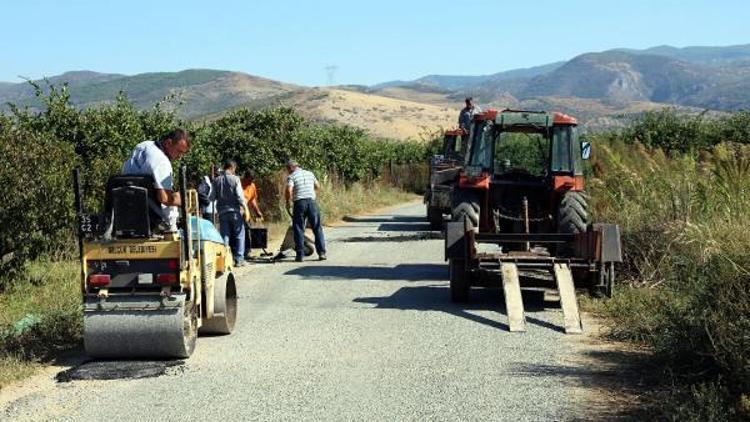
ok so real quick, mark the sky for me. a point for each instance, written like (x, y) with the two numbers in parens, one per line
(367, 42)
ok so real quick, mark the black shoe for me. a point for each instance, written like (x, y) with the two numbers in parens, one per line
(322, 257)
(298, 259)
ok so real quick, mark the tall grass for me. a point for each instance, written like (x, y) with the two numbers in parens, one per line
(686, 278)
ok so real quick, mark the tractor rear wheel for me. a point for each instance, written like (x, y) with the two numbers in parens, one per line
(572, 215)
(466, 204)
(459, 280)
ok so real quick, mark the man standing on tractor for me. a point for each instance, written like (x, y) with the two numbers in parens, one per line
(467, 114)
(154, 158)
(232, 210)
(301, 187)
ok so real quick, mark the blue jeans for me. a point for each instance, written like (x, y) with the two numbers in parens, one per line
(307, 209)
(232, 229)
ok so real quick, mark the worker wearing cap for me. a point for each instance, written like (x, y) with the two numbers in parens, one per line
(154, 158)
(301, 188)
(232, 210)
(467, 114)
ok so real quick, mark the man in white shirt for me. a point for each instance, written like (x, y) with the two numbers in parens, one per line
(301, 188)
(154, 158)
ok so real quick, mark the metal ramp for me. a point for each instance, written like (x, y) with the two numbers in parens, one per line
(566, 290)
(513, 300)
(568, 302)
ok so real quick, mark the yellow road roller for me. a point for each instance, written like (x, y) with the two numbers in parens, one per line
(148, 290)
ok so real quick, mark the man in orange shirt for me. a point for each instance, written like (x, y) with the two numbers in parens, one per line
(251, 193)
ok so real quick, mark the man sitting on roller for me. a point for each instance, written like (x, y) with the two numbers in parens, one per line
(154, 158)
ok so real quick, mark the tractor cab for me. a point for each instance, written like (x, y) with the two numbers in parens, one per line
(532, 146)
(522, 163)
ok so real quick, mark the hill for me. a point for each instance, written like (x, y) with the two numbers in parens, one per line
(201, 91)
(602, 89)
(205, 94)
(707, 77)
(383, 116)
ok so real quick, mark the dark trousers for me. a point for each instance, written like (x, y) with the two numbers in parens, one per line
(232, 229)
(307, 209)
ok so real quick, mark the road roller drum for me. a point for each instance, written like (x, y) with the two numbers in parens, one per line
(139, 327)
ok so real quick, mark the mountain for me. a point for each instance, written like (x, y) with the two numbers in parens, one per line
(621, 76)
(604, 90)
(454, 82)
(201, 91)
(708, 77)
(699, 55)
(23, 92)
(207, 94)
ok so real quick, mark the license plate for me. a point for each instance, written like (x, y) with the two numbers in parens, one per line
(145, 279)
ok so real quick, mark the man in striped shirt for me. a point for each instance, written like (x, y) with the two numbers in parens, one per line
(301, 188)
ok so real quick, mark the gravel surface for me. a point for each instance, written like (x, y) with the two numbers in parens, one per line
(370, 334)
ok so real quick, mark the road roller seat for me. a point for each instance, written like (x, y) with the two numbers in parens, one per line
(131, 208)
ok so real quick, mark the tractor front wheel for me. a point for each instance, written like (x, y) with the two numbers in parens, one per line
(466, 205)
(435, 217)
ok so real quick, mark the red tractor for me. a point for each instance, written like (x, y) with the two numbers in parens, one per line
(444, 170)
(520, 212)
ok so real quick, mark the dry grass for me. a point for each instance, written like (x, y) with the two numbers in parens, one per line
(13, 369)
(385, 117)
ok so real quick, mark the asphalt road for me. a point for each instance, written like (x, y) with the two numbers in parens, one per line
(369, 334)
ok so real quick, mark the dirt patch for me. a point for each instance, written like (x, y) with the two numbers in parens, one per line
(118, 370)
(613, 377)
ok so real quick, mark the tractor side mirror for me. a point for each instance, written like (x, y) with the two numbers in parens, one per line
(585, 150)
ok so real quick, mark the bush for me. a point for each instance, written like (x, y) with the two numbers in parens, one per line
(38, 151)
(674, 132)
(687, 272)
(35, 178)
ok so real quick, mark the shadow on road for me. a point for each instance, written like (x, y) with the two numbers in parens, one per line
(615, 377)
(386, 219)
(407, 272)
(437, 298)
(404, 227)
